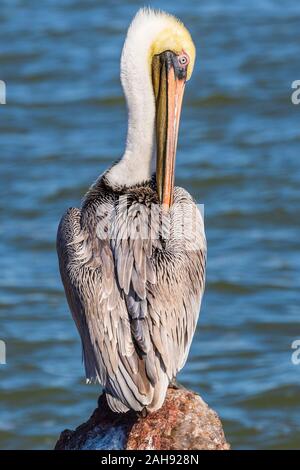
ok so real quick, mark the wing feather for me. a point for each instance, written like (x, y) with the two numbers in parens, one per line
(135, 299)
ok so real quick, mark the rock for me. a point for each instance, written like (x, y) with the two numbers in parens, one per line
(185, 422)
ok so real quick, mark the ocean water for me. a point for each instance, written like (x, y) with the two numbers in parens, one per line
(65, 122)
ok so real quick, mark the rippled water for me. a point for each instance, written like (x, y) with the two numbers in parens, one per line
(65, 121)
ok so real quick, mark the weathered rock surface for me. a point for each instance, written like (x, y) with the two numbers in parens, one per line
(185, 422)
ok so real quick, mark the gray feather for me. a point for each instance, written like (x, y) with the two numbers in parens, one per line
(135, 300)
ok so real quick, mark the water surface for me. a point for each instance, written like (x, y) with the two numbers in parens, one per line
(65, 122)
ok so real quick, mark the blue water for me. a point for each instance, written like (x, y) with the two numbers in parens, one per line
(65, 122)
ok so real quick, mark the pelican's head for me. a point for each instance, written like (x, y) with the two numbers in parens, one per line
(157, 59)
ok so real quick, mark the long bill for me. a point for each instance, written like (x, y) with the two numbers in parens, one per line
(168, 90)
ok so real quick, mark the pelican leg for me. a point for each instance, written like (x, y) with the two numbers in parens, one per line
(176, 385)
(144, 413)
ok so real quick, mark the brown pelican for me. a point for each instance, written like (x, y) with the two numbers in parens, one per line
(132, 259)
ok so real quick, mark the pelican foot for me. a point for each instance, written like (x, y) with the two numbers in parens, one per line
(176, 385)
(144, 413)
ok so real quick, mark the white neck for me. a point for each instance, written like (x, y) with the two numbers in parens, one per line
(138, 162)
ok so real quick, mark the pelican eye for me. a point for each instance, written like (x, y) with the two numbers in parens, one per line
(183, 60)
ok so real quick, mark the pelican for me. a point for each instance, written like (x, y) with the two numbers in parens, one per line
(132, 259)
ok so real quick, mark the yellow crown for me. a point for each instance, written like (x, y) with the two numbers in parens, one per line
(176, 38)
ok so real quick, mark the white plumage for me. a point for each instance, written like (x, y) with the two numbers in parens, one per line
(138, 162)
